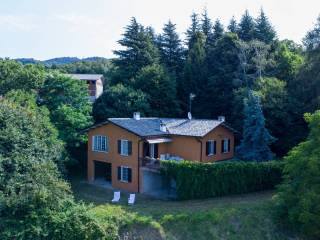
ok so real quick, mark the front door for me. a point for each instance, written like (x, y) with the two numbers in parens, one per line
(150, 150)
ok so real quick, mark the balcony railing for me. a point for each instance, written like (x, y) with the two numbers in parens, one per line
(151, 163)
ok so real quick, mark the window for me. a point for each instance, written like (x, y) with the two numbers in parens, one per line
(100, 144)
(225, 145)
(124, 147)
(211, 147)
(124, 174)
(153, 150)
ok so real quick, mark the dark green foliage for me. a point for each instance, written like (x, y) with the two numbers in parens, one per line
(233, 26)
(246, 27)
(66, 98)
(192, 31)
(218, 30)
(139, 51)
(298, 199)
(14, 76)
(154, 81)
(256, 138)
(120, 101)
(264, 31)
(312, 39)
(198, 180)
(171, 50)
(206, 27)
(35, 203)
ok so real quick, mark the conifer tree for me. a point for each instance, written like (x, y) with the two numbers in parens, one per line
(264, 31)
(233, 26)
(206, 26)
(171, 50)
(192, 31)
(218, 30)
(256, 138)
(246, 29)
(139, 51)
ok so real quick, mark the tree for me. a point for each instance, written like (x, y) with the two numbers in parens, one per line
(193, 30)
(195, 71)
(298, 198)
(206, 27)
(161, 89)
(138, 51)
(256, 138)
(223, 63)
(246, 27)
(14, 76)
(218, 30)
(171, 50)
(70, 111)
(120, 101)
(233, 26)
(35, 201)
(312, 39)
(264, 31)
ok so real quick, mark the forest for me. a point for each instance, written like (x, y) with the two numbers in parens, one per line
(268, 89)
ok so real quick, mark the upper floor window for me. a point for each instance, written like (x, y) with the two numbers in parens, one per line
(225, 145)
(124, 147)
(100, 144)
(211, 147)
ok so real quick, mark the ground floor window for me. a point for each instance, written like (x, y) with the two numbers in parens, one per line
(225, 144)
(124, 174)
(211, 147)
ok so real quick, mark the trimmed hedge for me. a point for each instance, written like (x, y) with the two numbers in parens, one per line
(202, 180)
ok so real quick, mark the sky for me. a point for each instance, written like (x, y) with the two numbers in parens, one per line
(44, 29)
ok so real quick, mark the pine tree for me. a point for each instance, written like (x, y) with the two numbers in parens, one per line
(218, 30)
(264, 31)
(246, 29)
(233, 26)
(192, 31)
(206, 25)
(139, 51)
(171, 50)
(256, 138)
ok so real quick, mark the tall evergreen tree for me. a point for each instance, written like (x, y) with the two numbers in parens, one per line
(256, 138)
(206, 26)
(246, 29)
(233, 25)
(139, 51)
(312, 39)
(192, 31)
(194, 70)
(218, 30)
(264, 31)
(171, 50)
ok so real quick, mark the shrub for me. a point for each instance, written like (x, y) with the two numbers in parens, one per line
(199, 180)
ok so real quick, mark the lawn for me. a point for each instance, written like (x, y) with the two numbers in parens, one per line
(234, 217)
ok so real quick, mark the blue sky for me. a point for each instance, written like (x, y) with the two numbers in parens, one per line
(45, 29)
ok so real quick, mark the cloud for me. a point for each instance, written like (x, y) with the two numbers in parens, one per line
(21, 23)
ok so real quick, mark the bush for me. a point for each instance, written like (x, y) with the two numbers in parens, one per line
(199, 180)
(297, 202)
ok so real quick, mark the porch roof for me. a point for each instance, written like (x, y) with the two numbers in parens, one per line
(159, 140)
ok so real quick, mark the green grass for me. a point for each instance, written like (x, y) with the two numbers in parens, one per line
(234, 217)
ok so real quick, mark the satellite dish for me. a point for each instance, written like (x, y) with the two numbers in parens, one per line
(189, 116)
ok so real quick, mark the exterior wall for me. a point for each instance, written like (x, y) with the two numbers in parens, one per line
(218, 134)
(115, 133)
(186, 147)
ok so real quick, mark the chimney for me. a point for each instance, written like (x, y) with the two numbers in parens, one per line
(221, 118)
(163, 127)
(136, 115)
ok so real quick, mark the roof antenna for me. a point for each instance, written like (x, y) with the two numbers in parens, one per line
(191, 97)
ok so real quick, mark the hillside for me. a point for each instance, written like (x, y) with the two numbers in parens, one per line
(59, 60)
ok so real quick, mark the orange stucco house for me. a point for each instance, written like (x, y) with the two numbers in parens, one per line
(124, 151)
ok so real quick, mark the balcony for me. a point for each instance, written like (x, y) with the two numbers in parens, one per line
(150, 163)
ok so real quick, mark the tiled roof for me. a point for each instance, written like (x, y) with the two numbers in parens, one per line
(151, 126)
(86, 76)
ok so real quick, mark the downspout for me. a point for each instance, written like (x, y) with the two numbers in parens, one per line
(140, 140)
(200, 141)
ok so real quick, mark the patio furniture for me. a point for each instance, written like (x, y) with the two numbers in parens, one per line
(131, 199)
(116, 197)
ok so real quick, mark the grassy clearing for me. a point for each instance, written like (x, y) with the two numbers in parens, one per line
(234, 217)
